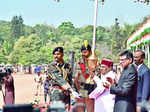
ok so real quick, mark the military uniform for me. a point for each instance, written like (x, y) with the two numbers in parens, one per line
(83, 79)
(82, 83)
(61, 81)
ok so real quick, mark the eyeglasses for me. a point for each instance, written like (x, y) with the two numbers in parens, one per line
(123, 59)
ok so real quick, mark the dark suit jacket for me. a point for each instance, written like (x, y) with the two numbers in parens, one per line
(125, 91)
(143, 91)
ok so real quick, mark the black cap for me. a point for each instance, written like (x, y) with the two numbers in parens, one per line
(59, 49)
(8, 70)
(86, 48)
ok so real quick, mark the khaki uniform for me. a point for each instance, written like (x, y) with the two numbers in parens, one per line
(82, 83)
(38, 82)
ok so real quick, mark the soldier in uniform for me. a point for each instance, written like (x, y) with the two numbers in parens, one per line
(61, 79)
(82, 74)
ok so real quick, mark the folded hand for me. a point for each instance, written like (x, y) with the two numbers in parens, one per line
(111, 81)
(106, 85)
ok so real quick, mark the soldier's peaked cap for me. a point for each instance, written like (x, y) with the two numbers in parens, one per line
(59, 49)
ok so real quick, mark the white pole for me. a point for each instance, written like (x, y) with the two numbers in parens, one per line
(95, 23)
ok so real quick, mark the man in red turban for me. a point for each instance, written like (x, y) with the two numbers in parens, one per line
(102, 95)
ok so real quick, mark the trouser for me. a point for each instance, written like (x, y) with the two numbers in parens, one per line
(38, 88)
(46, 93)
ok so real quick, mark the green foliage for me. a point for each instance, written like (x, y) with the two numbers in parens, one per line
(45, 32)
(7, 48)
(87, 36)
(4, 31)
(88, 28)
(17, 27)
(26, 50)
(73, 45)
(3, 58)
(66, 28)
(101, 34)
(22, 44)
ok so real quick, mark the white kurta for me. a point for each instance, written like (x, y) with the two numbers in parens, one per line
(104, 101)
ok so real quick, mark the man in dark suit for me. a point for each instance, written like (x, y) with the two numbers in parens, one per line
(143, 90)
(126, 88)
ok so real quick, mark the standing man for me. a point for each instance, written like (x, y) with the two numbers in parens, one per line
(102, 95)
(9, 97)
(38, 82)
(143, 91)
(61, 81)
(82, 74)
(47, 86)
(126, 88)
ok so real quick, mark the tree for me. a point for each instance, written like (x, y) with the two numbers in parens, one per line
(45, 32)
(5, 32)
(17, 27)
(101, 34)
(26, 50)
(116, 38)
(88, 28)
(66, 28)
(3, 58)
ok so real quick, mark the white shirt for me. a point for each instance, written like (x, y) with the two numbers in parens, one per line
(139, 66)
(104, 101)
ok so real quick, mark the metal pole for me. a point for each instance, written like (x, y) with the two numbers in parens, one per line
(95, 23)
(92, 60)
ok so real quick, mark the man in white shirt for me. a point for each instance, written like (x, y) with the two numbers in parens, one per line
(104, 101)
(38, 81)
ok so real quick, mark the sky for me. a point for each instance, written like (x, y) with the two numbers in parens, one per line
(79, 12)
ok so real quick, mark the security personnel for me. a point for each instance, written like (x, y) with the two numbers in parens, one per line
(61, 78)
(82, 72)
(83, 85)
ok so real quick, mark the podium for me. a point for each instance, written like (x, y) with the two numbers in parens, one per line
(83, 104)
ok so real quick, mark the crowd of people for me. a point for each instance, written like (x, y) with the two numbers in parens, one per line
(99, 90)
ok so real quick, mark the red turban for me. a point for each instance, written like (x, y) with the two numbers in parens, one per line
(107, 62)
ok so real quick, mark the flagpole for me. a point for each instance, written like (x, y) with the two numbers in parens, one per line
(92, 60)
(95, 24)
